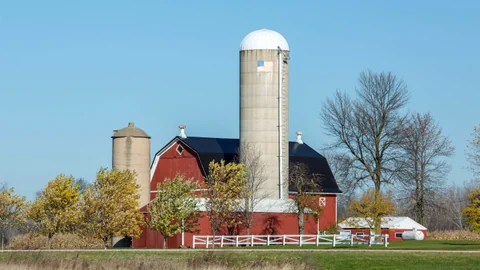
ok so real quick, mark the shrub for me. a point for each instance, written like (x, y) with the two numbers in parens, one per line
(59, 241)
(453, 235)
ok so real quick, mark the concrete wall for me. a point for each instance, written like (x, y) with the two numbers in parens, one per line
(133, 153)
(259, 115)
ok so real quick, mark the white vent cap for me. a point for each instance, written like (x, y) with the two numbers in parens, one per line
(299, 137)
(182, 132)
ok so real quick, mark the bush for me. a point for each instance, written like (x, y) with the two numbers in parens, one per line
(59, 241)
(453, 235)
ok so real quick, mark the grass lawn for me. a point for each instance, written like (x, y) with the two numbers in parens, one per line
(397, 245)
(231, 260)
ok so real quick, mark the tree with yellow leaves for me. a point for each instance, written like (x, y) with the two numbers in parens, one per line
(174, 209)
(370, 208)
(55, 210)
(110, 206)
(226, 184)
(472, 211)
(12, 208)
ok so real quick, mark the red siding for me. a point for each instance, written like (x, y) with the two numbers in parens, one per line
(171, 164)
(264, 223)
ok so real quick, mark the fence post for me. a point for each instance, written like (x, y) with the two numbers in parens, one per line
(236, 241)
(317, 240)
(283, 241)
(386, 240)
(194, 238)
(208, 238)
(221, 241)
(351, 240)
(300, 239)
(252, 241)
(334, 238)
(268, 240)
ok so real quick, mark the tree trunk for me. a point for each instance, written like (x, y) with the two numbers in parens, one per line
(213, 245)
(105, 240)
(164, 242)
(248, 228)
(421, 203)
(378, 203)
(49, 240)
(300, 221)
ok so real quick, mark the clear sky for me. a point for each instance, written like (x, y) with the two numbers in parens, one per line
(70, 72)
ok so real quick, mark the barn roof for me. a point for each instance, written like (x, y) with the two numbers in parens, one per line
(387, 223)
(209, 149)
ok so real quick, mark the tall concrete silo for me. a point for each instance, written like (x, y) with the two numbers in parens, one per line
(131, 150)
(264, 57)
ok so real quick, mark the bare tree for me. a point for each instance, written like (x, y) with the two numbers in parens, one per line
(424, 167)
(367, 128)
(303, 183)
(443, 209)
(256, 176)
(473, 153)
(341, 165)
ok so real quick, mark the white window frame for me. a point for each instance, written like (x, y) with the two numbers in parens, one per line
(183, 149)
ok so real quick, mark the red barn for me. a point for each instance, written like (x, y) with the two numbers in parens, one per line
(191, 156)
(393, 226)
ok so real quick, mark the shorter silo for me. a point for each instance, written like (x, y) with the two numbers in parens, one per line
(131, 150)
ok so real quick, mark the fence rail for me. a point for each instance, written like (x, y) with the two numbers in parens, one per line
(208, 241)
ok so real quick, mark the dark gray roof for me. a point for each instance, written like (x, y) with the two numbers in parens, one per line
(130, 131)
(209, 149)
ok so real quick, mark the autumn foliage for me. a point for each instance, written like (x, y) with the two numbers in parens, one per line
(110, 207)
(174, 209)
(472, 211)
(55, 210)
(372, 208)
(225, 186)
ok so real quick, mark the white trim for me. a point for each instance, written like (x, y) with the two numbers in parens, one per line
(159, 154)
(336, 210)
(183, 149)
(316, 193)
(195, 190)
(280, 150)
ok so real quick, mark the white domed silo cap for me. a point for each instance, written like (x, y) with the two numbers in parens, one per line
(264, 39)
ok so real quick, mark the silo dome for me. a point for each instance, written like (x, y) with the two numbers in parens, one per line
(264, 39)
(130, 131)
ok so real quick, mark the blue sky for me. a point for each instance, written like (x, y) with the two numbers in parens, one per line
(70, 72)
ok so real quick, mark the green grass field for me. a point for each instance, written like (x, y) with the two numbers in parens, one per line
(398, 245)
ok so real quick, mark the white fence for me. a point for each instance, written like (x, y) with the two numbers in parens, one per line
(209, 241)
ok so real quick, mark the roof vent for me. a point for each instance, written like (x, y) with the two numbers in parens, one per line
(299, 137)
(182, 132)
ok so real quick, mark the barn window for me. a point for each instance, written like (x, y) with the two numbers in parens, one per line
(398, 235)
(180, 149)
(359, 234)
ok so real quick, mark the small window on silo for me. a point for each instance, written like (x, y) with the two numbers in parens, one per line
(180, 149)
